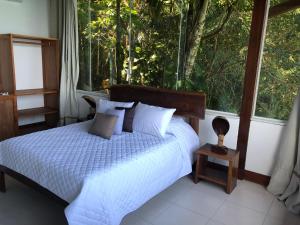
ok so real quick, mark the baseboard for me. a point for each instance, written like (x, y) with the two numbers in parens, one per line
(257, 177)
(248, 175)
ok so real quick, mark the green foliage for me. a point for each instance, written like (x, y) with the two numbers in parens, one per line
(220, 64)
(280, 72)
(155, 43)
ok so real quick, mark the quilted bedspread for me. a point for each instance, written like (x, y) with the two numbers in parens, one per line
(103, 180)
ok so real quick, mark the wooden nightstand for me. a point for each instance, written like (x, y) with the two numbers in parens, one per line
(227, 178)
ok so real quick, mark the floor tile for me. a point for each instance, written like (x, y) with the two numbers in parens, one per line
(272, 221)
(179, 188)
(233, 214)
(211, 189)
(278, 214)
(153, 208)
(250, 186)
(288, 220)
(133, 219)
(213, 222)
(176, 215)
(25, 206)
(252, 196)
(184, 203)
(199, 202)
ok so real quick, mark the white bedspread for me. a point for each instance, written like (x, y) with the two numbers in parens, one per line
(103, 180)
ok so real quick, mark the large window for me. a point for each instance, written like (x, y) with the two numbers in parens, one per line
(280, 73)
(153, 36)
(150, 42)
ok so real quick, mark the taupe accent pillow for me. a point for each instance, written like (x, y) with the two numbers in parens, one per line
(103, 125)
(128, 118)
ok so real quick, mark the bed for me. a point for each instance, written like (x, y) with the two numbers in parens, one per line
(100, 181)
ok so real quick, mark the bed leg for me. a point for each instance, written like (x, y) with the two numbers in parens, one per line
(2, 182)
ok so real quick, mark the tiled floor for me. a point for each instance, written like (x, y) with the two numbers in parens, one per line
(184, 203)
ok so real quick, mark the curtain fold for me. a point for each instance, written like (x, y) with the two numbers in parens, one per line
(285, 179)
(68, 34)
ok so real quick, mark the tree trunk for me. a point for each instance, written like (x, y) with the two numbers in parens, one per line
(182, 42)
(111, 67)
(118, 41)
(98, 59)
(195, 39)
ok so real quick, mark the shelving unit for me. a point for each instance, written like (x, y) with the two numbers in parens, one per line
(7, 117)
(49, 89)
(38, 91)
(26, 129)
(36, 111)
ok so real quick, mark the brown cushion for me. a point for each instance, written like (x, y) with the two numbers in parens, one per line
(103, 125)
(128, 118)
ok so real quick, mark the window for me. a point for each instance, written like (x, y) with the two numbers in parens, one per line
(148, 44)
(147, 53)
(220, 65)
(154, 43)
(96, 26)
(280, 73)
(152, 33)
(85, 82)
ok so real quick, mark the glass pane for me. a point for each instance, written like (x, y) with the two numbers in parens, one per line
(220, 65)
(97, 35)
(280, 73)
(155, 34)
(84, 82)
(103, 41)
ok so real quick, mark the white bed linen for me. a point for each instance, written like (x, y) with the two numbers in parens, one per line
(103, 180)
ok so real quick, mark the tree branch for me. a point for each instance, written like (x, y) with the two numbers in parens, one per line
(221, 24)
(283, 7)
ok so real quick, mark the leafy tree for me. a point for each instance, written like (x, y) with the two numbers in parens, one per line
(280, 73)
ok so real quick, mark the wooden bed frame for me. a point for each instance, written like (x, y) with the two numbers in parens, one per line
(188, 104)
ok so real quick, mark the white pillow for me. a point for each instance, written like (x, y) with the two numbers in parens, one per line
(119, 124)
(104, 105)
(152, 119)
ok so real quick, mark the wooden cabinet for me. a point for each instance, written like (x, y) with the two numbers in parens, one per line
(7, 120)
(10, 76)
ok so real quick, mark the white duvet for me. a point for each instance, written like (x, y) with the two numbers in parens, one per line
(103, 180)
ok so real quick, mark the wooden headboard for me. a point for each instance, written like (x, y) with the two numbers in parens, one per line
(188, 104)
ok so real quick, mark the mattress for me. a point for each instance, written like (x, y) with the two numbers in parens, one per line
(103, 180)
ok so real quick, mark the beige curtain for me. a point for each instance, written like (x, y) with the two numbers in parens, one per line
(285, 179)
(68, 34)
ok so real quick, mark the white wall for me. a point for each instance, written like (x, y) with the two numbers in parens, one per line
(262, 147)
(30, 17)
(263, 139)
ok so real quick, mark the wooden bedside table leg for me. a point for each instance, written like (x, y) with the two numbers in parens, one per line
(196, 180)
(235, 172)
(2, 182)
(229, 186)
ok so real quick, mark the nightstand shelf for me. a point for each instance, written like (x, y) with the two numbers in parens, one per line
(228, 178)
(215, 176)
